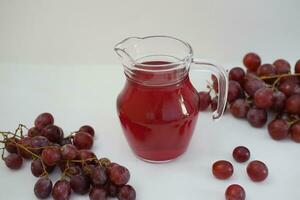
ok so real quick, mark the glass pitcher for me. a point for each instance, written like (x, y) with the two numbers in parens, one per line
(158, 107)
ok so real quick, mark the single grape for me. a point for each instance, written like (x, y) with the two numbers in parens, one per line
(97, 193)
(37, 168)
(80, 184)
(61, 190)
(43, 188)
(241, 154)
(235, 192)
(266, 70)
(11, 145)
(83, 140)
(68, 152)
(239, 108)
(278, 129)
(13, 161)
(214, 103)
(263, 98)
(37, 143)
(126, 192)
(51, 156)
(99, 176)
(24, 145)
(74, 170)
(279, 100)
(43, 120)
(118, 175)
(53, 133)
(292, 79)
(104, 162)
(222, 169)
(289, 88)
(252, 61)
(257, 171)
(86, 155)
(111, 189)
(293, 104)
(297, 67)
(234, 91)
(295, 132)
(34, 131)
(237, 74)
(88, 129)
(282, 66)
(253, 85)
(257, 117)
(204, 100)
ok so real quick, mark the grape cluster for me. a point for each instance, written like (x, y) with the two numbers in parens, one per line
(261, 90)
(81, 171)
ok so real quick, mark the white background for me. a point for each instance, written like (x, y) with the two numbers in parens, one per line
(57, 56)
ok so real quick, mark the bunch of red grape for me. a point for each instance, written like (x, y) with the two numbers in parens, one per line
(256, 170)
(262, 89)
(82, 171)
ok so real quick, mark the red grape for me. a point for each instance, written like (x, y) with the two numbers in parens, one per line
(293, 104)
(13, 161)
(257, 171)
(252, 61)
(126, 192)
(51, 156)
(266, 70)
(257, 117)
(61, 190)
(237, 74)
(34, 131)
(222, 169)
(204, 100)
(234, 91)
(53, 133)
(295, 132)
(97, 193)
(263, 98)
(85, 154)
(111, 189)
(83, 140)
(99, 176)
(80, 184)
(239, 108)
(253, 85)
(279, 100)
(43, 120)
(235, 192)
(278, 129)
(289, 88)
(119, 175)
(88, 129)
(297, 67)
(282, 66)
(68, 152)
(37, 167)
(241, 154)
(43, 188)
(10, 145)
(37, 143)
(25, 143)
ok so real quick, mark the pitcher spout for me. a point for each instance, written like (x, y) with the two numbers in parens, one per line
(124, 47)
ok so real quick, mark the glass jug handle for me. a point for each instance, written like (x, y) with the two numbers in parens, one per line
(222, 83)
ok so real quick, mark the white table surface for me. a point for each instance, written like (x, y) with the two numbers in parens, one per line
(78, 95)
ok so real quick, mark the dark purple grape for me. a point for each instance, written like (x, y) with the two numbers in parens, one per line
(80, 184)
(234, 91)
(279, 100)
(239, 108)
(253, 85)
(99, 176)
(13, 161)
(43, 120)
(295, 132)
(111, 189)
(266, 70)
(24, 145)
(252, 61)
(37, 168)
(10, 145)
(214, 103)
(43, 188)
(282, 66)
(34, 131)
(278, 129)
(204, 100)
(51, 156)
(257, 117)
(293, 104)
(88, 171)
(83, 140)
(97, 193)
(61, 190)
(118, 175)
(88, 129)
(68, 152)
(297, 67)
(263, 98)
(37, 143)
(237, 74)
(126, 192)
(53, 133)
